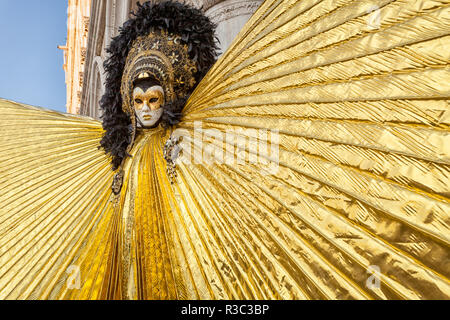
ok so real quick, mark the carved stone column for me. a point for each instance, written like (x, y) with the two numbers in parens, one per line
(230, 16)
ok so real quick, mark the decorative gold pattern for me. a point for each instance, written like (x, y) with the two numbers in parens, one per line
(159, 55)
(171, 151)
(363, 178)
(162, 56)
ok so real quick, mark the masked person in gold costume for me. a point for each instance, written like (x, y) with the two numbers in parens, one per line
(352, 204)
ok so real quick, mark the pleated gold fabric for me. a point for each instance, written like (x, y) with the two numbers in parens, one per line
(358, 93)
(55, 209)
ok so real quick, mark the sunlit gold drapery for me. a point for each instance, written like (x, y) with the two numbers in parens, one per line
(359, 93)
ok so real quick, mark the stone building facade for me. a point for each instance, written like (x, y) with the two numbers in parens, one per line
(105, 18)
(75, 50)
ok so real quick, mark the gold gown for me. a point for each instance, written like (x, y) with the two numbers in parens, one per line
(360, 99)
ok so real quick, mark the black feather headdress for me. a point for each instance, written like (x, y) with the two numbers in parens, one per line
(195, 31)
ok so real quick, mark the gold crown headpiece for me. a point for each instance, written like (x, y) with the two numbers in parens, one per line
(162, 57)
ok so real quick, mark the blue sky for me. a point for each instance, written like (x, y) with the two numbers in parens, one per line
(31, 65)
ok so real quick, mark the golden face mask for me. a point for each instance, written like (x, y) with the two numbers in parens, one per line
(162, 57)
(148, 105)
